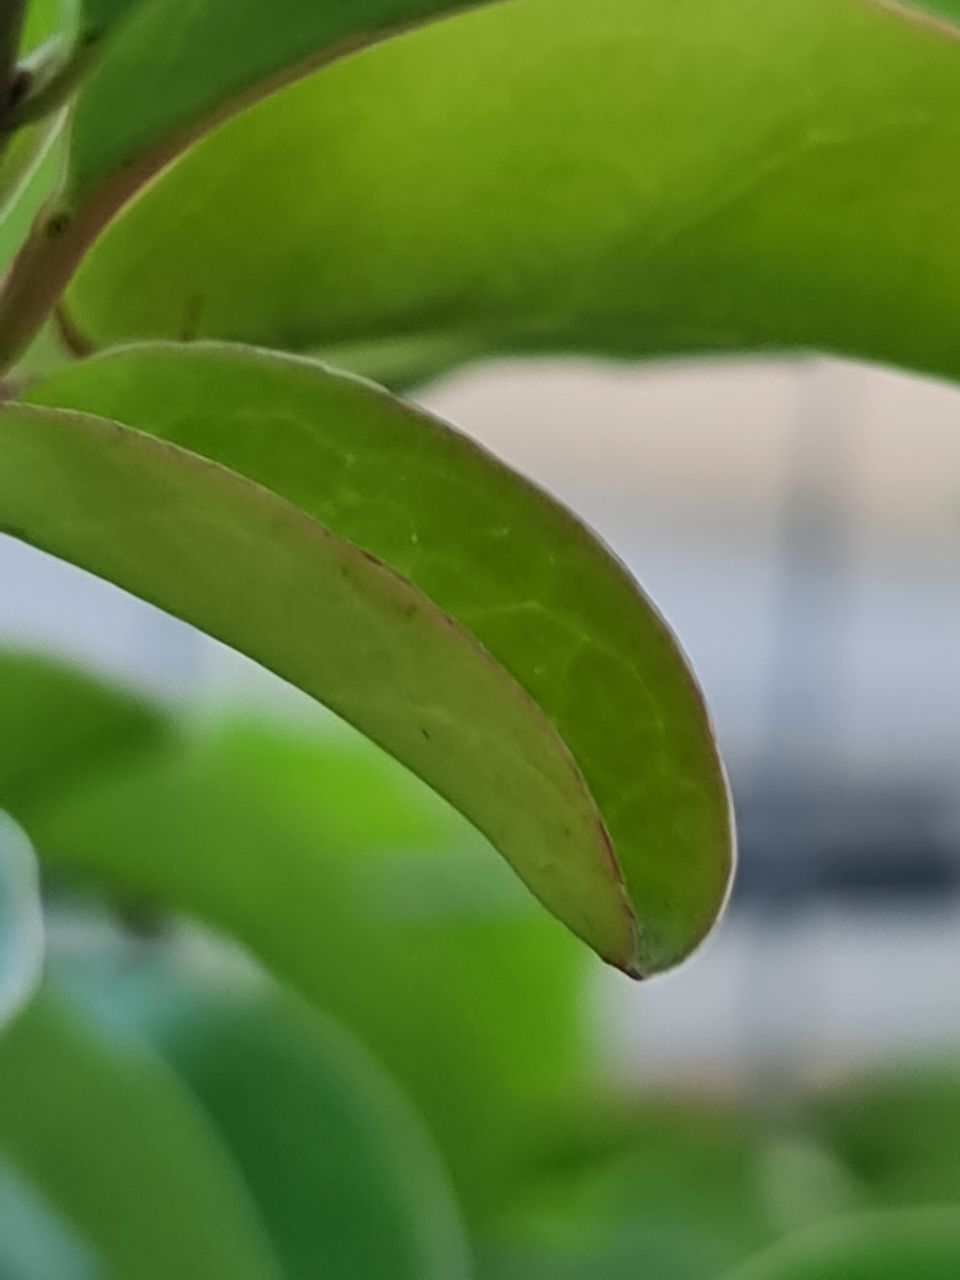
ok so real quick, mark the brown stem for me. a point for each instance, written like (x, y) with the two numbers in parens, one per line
(37, 277)
(11, 24)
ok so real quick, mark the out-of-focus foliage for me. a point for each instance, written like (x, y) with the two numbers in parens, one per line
(461, 988)
(206, 1131)
(368, 895)
(667, 1185)
(896, 1132)
(112, 1140)
(35, 1241)
(916, 1245)
(343, 1178)
(21, 921)
(63, 728)
(344, 875)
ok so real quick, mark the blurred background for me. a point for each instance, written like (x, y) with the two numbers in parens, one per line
(797, 521)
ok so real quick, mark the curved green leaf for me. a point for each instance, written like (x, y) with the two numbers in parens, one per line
(339, 1167)
(174, 67)
(21, 922)
(114, 1141)
(515, 576)
(917, 1244)
(61, 728)
(251, 570)
(624, 177)
(153, 77)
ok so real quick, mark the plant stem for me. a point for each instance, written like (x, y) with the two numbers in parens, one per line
(34, 282)
(54, 75)
(11, 24)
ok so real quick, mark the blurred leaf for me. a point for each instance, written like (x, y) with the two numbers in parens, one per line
(36, 1243)
(915, 1245)
(60, 727)
(326, 592)
(110, 1136)
(21, 922)
(668, 1189)
(351, 880)
(344, 1178)
(44, 20)
(620, 177)
(896, 1131)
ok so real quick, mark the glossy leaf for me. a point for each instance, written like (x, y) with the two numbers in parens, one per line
(174, 66)
(153, 77)
(250, 569)
(919, 1244)
(341, 1172)
(351, 881)
(588, 657)
(61, 728)
(21, 922)
(112, 1139)
(621, 177)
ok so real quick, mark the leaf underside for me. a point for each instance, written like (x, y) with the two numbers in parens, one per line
(624, 177)
(464, 620)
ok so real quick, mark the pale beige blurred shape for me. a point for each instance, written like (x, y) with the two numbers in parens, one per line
(712, 441)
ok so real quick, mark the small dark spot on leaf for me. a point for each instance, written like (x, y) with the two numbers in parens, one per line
(425, 733)
(57, 225)
(19, 87)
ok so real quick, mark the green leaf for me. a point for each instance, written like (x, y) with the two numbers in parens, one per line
(678, 1195)
(45, 19)
(21, 922)
(350, 880)
(620, 177)
(113, 1140)
(62, 729)
(379, 560)
(894, 1131)
(163, 73)
(919, 1244)
(35, 1241)
(174, 68)
(339, 1167)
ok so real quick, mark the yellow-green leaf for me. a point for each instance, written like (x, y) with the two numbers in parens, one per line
(390, 567)
(629, 177)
